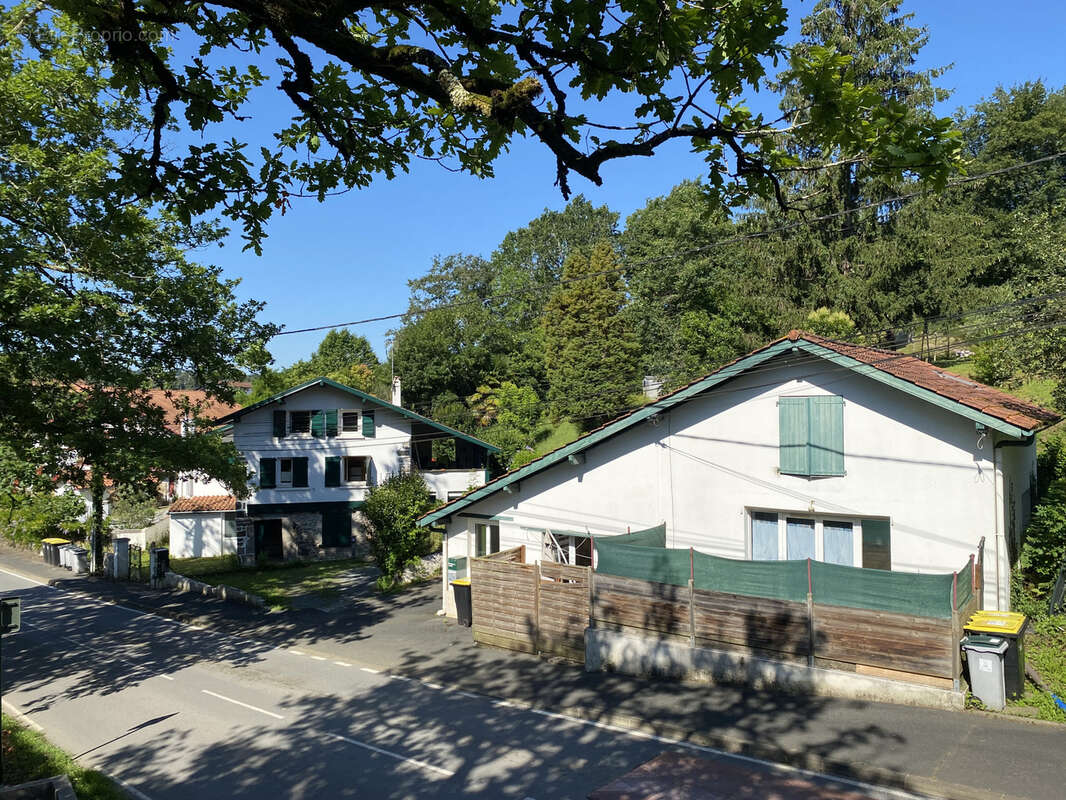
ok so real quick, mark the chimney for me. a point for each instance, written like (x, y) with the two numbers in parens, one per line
(396, 396)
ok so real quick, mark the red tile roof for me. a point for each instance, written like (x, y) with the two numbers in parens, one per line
(171, 400)
(962, 390)
(212, 502)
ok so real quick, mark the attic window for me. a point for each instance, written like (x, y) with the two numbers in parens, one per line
(299, 421)
(349, 422)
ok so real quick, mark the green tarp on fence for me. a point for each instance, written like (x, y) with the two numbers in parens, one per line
(643, 555)
(642, 562)
(780, 580)
(899, 592)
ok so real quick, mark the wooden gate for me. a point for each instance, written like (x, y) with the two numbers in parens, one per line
(534, 608)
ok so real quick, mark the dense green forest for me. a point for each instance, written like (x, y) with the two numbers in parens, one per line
(553, 332)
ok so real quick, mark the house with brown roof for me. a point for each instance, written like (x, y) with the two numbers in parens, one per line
(805, 448)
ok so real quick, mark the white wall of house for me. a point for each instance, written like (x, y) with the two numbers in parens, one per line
(198, 485)
(447, 484)
(202, 534)
(87, 498)
(253, 436)
(707, 465)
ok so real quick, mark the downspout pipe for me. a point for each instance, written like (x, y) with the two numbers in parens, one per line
(1025, 442)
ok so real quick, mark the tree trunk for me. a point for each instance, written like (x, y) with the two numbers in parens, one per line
(96, 536)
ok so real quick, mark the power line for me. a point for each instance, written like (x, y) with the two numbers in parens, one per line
(619, 413)
(960, 341)
(754, 235)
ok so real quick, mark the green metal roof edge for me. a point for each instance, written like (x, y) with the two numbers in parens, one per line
(871, 371)
(323, 381)
(609, 430)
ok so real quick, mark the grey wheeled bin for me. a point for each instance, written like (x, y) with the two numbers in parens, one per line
(984, 655)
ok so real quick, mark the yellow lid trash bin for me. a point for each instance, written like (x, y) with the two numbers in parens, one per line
(1011, 626)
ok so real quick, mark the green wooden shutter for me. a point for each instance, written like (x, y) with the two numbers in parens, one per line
(368, 424)
(299, 473)
(336, 528)
(876, 544)
(792, 415)
(333, 471)
(279, 424)
(826, 435)
(331, 422)
(318, 424)
(268, 473)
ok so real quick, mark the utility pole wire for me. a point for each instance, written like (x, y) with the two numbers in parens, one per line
(754, 235)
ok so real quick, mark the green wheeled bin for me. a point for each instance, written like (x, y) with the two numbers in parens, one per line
(464, 611)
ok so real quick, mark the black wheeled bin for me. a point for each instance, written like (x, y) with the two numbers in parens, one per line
(1012, 627)
(50, 549)
(464, 611)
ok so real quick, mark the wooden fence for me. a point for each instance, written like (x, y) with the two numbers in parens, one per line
(879, 643)
(535, 608)
(545, 608)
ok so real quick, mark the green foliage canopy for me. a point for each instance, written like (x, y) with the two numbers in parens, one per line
(374, 85)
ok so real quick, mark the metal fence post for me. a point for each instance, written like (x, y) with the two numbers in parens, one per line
(691, 597)
(810, 617)
(956, 635)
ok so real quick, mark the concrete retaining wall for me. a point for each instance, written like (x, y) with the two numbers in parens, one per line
(175, 581)
(611, 651)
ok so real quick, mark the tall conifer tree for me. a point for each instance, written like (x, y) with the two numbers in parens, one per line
(590, 353)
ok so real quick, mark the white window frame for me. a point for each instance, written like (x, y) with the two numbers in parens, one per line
(471, 532)
(282, 484)
(819, 517)
(563, 545)
(358, 432)
(344, 471)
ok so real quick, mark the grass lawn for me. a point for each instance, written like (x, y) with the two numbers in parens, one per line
(279, 584)
(1045, 649)
(555, 436)
(28, 756)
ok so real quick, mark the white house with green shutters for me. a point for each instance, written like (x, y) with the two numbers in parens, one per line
(315, 450)
(806, 448)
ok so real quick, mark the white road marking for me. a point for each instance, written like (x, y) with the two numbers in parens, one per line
(319, 658)
(342, 663)
(298, 652)
(245, 705)
(390, 754)
(166, 677)
(26, 578)
(371, 671)
(401, 678)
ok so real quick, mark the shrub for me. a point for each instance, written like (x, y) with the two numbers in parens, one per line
(1044, 551)
(29, 517)
(994, 363)
(392, 510)
(830, 324)
(132, 510)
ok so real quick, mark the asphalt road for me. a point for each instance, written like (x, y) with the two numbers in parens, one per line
(179, 712)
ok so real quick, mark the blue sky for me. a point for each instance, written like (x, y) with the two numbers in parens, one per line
(351, 256)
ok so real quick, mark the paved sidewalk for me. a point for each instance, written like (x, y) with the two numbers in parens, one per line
(943, 753)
